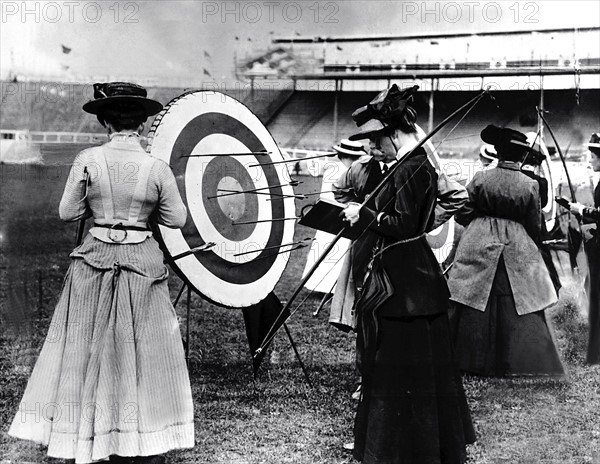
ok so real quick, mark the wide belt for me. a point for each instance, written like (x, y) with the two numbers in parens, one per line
(117, 233)
(121, 226)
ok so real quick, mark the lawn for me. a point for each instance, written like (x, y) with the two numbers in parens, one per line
(276, 418)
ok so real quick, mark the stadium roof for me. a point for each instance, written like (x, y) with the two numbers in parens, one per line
(319, 39)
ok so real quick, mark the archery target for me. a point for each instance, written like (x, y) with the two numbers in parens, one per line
(441, 240)
(205, 137)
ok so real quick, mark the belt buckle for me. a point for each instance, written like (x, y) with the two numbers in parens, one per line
(117, 233)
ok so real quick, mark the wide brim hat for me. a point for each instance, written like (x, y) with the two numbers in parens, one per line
(594, 141)
(115, 95)
(351, 148)
(383, 112)
(504, 137)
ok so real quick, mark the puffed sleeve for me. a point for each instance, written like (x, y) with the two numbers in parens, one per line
(343, 190)
(170, 210)
(73, 205)
(413, 189)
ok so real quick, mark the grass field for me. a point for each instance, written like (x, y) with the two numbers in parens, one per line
(277, 418)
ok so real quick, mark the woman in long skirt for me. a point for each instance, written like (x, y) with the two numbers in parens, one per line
(499, 281)
(111, 380)
(413, 407)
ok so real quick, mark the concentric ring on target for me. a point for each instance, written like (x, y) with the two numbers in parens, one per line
(202, 135)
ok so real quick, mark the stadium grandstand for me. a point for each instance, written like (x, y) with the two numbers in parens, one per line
(304, 89)
(557, 69)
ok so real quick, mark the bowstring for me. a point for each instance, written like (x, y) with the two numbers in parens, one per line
(354, 242)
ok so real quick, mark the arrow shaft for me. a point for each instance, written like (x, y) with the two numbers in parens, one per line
(266, 220)
(250, 153)
(271, 248)
(293, 160)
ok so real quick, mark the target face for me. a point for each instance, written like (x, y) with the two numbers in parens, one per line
(212, 143)
(441, 240)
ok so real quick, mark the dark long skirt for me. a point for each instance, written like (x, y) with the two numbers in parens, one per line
(413, 407)
(498, 342)
(593, 253)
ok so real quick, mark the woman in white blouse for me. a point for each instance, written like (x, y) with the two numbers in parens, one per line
(111, 382)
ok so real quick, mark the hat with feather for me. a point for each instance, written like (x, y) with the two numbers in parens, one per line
(385, 111)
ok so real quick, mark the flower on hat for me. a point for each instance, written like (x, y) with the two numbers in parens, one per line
(387, 106)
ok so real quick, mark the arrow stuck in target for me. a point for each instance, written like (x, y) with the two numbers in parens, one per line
(274, 247)
(250, 153)
(294, 248)
(293, 160)
(265, 220)
(255, 192)
(198, 249)
(293, 183)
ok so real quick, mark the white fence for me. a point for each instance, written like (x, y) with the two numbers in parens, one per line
(52, 137)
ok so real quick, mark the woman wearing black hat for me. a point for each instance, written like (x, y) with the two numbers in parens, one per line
(111, 380)
(592, 250)
(412, 408)
(499, 280)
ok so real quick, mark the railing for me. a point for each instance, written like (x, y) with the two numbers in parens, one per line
(52, 137)
(565, 64)
(67, 137)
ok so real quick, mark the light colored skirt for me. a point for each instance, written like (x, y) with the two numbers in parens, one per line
(111, 378)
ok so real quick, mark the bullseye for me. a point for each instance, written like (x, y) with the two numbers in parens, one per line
(217, 147)
(232, 207)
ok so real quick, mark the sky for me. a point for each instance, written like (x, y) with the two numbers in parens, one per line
(186, 41)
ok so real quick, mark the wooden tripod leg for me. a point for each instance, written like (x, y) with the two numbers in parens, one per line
(289, 334)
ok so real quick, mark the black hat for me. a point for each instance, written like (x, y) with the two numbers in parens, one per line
(122, 97)
(348, 147)
(503, 137)
(384, 111)
(594, 141)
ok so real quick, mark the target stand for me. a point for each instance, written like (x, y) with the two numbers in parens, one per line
(235, 184)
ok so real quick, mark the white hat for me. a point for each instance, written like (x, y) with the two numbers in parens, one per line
(594, 141)
(349, 147)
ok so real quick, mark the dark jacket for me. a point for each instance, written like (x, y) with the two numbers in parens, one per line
(407, 205)
(593, 214)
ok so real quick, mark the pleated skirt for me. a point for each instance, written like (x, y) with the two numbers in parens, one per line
(500, 343)
(413, 407)
(111, 378)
